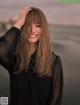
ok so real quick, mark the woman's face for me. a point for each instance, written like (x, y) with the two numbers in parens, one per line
(34, 34)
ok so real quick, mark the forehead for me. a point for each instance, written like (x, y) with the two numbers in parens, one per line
(35, 21)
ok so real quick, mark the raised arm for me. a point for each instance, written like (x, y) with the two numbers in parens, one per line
(9, 40)
(7, 45)
(57, 86)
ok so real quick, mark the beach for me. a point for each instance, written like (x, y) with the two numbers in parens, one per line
(64, 29)
(65, 41)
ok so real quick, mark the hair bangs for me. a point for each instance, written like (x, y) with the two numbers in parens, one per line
(34, 17)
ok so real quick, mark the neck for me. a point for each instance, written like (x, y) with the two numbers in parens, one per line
(32, 48)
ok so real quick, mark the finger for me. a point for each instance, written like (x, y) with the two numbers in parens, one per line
(27, 8)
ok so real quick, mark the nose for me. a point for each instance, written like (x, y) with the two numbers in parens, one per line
(33, 29)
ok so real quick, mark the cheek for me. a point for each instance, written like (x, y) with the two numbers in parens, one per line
(28, 30)
(39, 31)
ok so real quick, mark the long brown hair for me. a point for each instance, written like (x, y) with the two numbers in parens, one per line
(44, 56)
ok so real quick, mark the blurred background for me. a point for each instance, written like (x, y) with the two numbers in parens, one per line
(64, 27)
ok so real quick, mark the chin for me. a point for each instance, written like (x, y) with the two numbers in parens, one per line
(32, 41)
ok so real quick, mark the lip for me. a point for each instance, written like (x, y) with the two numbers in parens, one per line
(33, 35)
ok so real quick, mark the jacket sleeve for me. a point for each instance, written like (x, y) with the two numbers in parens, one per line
(57, 84)
(7, 46)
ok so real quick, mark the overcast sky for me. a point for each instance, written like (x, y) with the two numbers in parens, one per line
(55, 11)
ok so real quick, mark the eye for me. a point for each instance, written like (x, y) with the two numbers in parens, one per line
(38, 25)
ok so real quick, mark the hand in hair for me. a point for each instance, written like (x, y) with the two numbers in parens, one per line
(21, 18)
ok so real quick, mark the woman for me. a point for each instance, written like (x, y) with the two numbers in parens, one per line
(36, 74)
